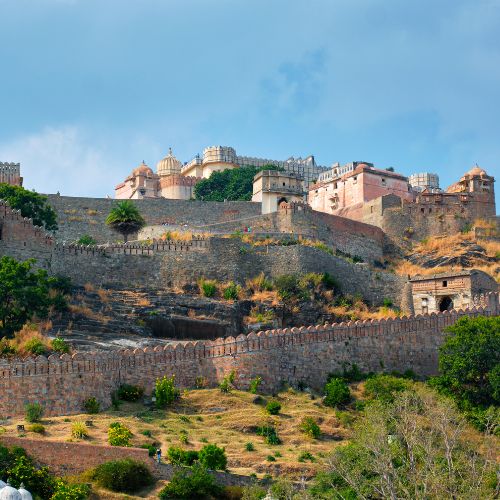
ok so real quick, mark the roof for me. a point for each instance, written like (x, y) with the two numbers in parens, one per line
(363, 167)
(453, 274)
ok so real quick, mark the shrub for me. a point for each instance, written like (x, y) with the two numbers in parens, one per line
(309, 426)
(127, 392)
(38, 428)
(35, 346)
(178, 456)
(306, 455)
(336, 392)
(165, 391)
(91, 406)
(273, 407)
(249, 447)
(255, 384)
(66, 491)
(231, 291)
(213, 457)
(269, 434)
(387, 302)
(183, 436)
(34, 412)
(227, 382)
(287, 286)
(208, 288)
(270, 458)
(79, 430)
(147, 433)
(125, 476)
(60, 345)
(193, 484)
(384, 387)
(86, 240)
(119, 434)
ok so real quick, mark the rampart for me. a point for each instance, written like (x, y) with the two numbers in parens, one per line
(62, 383)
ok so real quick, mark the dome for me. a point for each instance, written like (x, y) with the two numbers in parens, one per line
(142, 169)
(169, 165)
(10, 493)
(2, 484)
(25, 494)
(476, 170)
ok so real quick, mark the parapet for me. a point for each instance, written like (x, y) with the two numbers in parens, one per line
(10, 173)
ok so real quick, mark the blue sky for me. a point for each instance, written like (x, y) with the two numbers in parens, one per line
(90, 88)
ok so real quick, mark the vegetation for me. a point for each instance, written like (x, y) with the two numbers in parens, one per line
(125, 219)
(385, 387)
(212, 457)
(37, 428)
(269, 433)
(31, 204)
(469, 363)
(231, 185)
(273, 407)
(178, 456)
(196, 483)
(25, 293)
(227, 382)
(91, 406)
(127, 392)
(310, 427)
(79, 430)
(86, 240)
(255, 384)
(165, 391)
(124, 476)
(119, 434)
(208, 288)
(337, 392)
(33, 412)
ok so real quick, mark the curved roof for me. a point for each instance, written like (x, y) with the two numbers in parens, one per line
(142, 169)
(168, 165)
(476, 170)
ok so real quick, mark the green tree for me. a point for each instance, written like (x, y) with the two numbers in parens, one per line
(124, 218)
(213, 457)
(233, 185)
(23, 293)
(31, 204)
(469, 361)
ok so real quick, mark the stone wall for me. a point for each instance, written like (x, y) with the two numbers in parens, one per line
(79, 216)
(62, 383)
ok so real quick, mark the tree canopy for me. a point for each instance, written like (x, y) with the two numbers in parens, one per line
(124, 218)
(31, 204)
(25, 293)
(231, 185)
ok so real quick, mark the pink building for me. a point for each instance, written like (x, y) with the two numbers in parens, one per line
(141, 183)
(346, 194)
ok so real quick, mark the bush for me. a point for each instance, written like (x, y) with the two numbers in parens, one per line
(178, 456)
(193, 484)
(38, 428)
(91, 406)
(34, 412)
(287, 286)
(306, 455)
(124, 476)
(79, 430)
(384, 387)
(270, 458)
(231, 291)
(35, 346)
(269, 434)
(86, 240)
(60, 345)
(227, 382)
(38, 481)
(119, 434)
(352, 374)
(255, 384)
(165, 391)
(309, 426)
(208, 288)
(273, 407)
(66, 491)
(336, 392)
(213, 457)
(127, 392)
(249, 447)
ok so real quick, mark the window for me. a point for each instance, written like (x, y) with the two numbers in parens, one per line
(383, 180)
(283, 184)
(371, 209)
(445, 284)
(355, 180)
(334, 185)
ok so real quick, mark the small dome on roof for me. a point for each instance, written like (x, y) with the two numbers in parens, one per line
(142, 169)
(25, 494)
(169, 165)
(476, 170)
(10, 493)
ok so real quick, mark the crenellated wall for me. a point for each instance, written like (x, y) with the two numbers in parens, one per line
(62, 383)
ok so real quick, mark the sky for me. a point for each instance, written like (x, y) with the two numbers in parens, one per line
(90, 88)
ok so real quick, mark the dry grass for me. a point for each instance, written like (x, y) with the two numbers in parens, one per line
(182, 235)
(29, 334)
(85, 311)
(103, 294)
(88, 287)
(228, 420)
(144, 302)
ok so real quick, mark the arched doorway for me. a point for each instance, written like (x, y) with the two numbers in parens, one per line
(282, 201)
(446, 304)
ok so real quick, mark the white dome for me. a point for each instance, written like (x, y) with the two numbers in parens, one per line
(169, 165)
(25, 494)
(10, 493)
(2, 484)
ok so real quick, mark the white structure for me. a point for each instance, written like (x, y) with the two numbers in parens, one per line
(424, 180)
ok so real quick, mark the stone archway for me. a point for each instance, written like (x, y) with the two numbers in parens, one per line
(445, 304)
(282, 201)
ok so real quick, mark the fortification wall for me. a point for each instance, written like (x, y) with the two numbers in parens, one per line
(62, 383)
(79, 216)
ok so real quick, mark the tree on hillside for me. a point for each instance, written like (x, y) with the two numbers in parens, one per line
(232, 185)
(25, 293)
(469, 361)
(31, 204)
(124, 218)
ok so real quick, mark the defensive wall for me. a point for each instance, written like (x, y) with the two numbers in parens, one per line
(62, 383)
